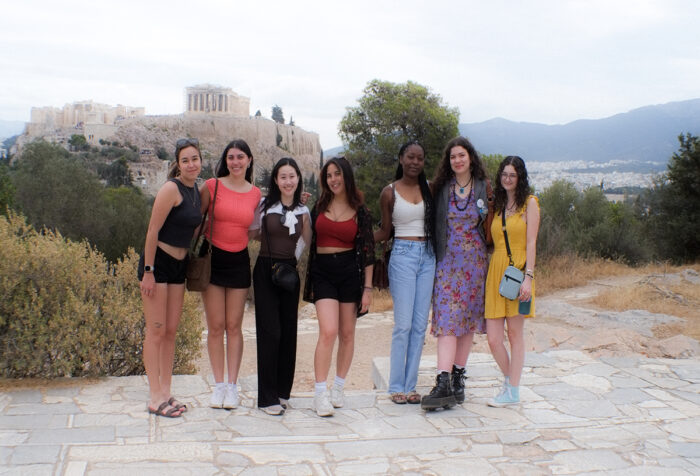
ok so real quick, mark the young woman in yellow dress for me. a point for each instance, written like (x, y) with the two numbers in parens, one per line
(522, 212)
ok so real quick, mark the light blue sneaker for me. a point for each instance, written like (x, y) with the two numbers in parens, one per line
(508, 395)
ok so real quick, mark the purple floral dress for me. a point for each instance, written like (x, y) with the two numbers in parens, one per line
(458, 293)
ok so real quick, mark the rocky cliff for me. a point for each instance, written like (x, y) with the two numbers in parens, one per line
(268, 140)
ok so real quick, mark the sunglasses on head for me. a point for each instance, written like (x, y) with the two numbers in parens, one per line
(182, 143)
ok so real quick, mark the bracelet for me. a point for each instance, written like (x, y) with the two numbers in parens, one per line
(529, 275)
(368, 287)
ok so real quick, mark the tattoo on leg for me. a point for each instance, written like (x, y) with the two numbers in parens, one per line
(158, 325)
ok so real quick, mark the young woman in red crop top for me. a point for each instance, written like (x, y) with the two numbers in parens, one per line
(339, 276)
(174, 218)
(224, 299)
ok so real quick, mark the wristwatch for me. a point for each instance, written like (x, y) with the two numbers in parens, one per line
(148, 269)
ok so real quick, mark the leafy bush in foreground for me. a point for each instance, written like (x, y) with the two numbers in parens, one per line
(65, 311)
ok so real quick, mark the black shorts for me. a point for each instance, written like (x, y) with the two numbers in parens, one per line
(335, 276)
(228, 269)
(167, 269)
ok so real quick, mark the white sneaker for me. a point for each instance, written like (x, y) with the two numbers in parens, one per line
(273, 410)
(217, 396)
(322, 404)
(337, 397)
(231, 397)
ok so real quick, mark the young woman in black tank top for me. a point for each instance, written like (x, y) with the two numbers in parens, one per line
(174, 218)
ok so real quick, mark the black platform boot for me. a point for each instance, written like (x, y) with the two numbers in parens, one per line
(458, 377)
(441, 395)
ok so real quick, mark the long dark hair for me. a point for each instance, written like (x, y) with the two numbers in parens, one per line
(355, 197)
(522, 189)
(444, 171)
(240, 144)
(429, 206)
(181, 144)
(274, 193)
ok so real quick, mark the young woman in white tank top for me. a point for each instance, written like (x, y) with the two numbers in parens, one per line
(407, 206)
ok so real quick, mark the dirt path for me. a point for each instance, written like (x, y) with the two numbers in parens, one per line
(564, 321)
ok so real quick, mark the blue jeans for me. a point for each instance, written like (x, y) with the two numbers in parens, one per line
(411, 275)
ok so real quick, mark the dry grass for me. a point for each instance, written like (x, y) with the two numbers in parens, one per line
(381, 300)
(564, 272)
(681, 300)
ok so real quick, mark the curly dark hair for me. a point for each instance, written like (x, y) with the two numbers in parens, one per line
(274, 194)
(444, 171)
(522, 189)
(429, 214)
(240, 144)
(355, 197)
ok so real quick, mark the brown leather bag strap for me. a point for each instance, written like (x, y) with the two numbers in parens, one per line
(211, 219)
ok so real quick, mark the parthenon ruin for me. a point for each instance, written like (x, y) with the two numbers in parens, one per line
(215, 100)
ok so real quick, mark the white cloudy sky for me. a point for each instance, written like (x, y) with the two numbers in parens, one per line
(550, 61)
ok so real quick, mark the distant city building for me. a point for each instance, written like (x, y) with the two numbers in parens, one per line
(81, 113)
(215, 100)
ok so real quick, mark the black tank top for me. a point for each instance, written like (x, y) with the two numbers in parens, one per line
(182, 220)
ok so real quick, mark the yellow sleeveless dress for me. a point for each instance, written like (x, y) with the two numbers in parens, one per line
(496, 306)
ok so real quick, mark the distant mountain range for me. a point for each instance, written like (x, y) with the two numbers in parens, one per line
(10, 128)
(649, 133)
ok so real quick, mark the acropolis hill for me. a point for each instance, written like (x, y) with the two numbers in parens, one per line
(213, 114)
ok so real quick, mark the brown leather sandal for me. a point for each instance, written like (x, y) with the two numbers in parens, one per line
(398, 397)
(413, 397)
(177, 405)
(160, 411)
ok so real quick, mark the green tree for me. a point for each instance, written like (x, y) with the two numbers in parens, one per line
(54, 189)
(127, 212)
(116, 174)
(587, 224)
(277, 115)
(162, 153)
(258, 113)
(7, 190)
(557, 224)
(291, 121)
(388, 115)
(79, 142)
(671, 208)
(207, 171)
(263, 179)
(491, 163)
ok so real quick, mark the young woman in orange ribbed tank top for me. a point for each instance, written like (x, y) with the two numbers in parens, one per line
(224, 299)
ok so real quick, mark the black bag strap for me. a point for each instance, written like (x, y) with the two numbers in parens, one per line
(505, 235)
(211, 221)
(267, 237)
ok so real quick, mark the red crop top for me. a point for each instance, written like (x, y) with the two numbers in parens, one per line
(335, 234)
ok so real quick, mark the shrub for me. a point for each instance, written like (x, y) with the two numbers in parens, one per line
(65, 311)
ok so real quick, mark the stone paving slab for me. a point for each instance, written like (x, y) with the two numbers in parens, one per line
(579, 415)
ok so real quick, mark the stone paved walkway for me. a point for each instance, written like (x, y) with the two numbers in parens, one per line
(620, 416)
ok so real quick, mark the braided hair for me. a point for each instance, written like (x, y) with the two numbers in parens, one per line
(429, 205)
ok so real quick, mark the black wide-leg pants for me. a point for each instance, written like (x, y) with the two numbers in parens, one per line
(276, 334)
